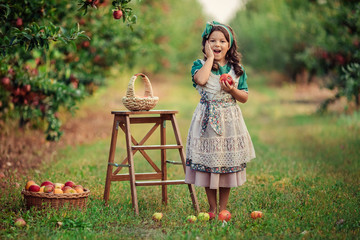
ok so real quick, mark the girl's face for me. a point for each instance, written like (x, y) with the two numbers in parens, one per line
(219, 45)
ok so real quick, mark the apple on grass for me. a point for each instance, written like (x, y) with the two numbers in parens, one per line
(191, 219)
(212, 215)
(20, 222)
(224, 215)
(256, 214)
(203, 216)
(157, 216)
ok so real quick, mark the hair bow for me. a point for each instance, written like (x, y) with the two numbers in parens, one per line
(210, 25)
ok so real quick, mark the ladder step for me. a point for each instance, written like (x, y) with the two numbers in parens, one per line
(164, 182)
(174, 162)
(150, 147)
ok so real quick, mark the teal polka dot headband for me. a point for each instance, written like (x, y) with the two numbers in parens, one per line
(209, 27)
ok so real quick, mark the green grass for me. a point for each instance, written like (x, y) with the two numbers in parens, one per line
(305, 178)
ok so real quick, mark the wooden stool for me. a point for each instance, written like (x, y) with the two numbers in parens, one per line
(123, 119)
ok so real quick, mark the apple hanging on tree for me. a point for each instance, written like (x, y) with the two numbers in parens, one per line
(117, 14)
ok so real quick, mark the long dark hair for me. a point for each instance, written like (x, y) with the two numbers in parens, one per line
(232, 56)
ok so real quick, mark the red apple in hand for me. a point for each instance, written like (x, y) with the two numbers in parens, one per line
(117, 14)
(226, 77)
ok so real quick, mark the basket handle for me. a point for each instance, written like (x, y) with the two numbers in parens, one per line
(130, 93)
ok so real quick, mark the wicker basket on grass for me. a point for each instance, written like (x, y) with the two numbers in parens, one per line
(136, 103)
(45, 200)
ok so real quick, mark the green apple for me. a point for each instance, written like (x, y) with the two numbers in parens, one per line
(203, 216)
(157, 216)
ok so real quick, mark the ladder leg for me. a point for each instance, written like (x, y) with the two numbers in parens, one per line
(131, 167)
(182, 156)
(163, 161)
(111, 160)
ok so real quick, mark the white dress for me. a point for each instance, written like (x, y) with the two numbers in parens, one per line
(218, 144)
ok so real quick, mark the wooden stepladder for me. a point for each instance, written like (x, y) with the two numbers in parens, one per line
(123, 120)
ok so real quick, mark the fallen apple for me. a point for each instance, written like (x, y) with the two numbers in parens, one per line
(204, 216)
(226, 77)
(256, 214)
(117, 14)
(212, 215)
(20, 222)
(224, 215)
(157, 216)
(191, 219)
(34, 188)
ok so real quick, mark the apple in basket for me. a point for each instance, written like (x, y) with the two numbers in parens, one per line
(69, 183)
(48, 188)
(68, 189)
(79, 188)
(46, 183)
(34, 188)
(28, 184)
(58, 185)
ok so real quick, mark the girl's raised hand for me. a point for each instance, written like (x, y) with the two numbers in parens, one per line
(208, 51)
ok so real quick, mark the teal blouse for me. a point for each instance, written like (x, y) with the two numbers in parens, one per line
(223, 69)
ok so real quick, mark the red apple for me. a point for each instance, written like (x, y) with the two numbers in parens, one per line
(212, 215)
(226, 77)
(224, 215)
(19, 22)
(46, 183)
(20, 222)
(191, 219)
(5, 81)
(34, 188)
(48, 188)
(69, 183)
(256, 214)
(117, 14)
(66, 188)
(27, 87)
(29, 183)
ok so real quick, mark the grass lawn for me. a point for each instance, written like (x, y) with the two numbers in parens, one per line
(305, 177)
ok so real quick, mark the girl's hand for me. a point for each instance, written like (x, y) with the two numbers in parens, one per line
(209, 53)
(226, 86)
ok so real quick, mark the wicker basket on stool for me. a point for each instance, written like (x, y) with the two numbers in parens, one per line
(44, 200)
(136, 103)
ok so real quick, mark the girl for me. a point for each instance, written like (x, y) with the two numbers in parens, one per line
(218, 144)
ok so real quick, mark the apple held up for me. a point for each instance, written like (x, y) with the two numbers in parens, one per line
(157, 216)
(226, 78)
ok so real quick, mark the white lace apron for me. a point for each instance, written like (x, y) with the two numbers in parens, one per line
(218, 140)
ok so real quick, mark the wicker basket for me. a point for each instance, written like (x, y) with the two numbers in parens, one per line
(45, 200)
(136, 103)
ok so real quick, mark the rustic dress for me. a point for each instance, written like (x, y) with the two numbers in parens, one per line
(218, 143)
